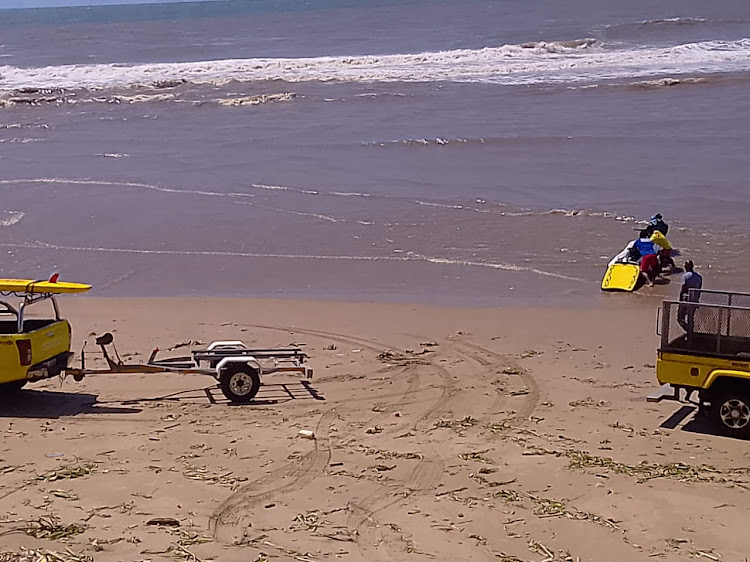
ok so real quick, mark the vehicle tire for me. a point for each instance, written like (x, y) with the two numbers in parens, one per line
(730, 409)
(239, 382)
(10, 387)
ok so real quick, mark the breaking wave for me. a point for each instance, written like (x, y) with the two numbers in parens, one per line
(661, 25)
(672, 81)
(513, 140)
(20, 140)
(9, 218)
(437, 141)
(668, 82)
(673, 21)
(254, 100)
(582, 60)
(32, 96)
(14, 126)
(558, 46)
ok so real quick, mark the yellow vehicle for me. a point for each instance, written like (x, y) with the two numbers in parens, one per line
(32, 348)
(705, 348)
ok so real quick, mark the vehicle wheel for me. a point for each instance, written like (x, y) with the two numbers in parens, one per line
(14, 386)
(731, 410)
(239, 382)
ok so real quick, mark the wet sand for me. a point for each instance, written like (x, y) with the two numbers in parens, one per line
(440, 434)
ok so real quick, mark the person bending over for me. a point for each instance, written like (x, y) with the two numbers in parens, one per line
(663, 249)
(650, 268)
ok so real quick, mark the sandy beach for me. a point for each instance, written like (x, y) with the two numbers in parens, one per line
(440, 434)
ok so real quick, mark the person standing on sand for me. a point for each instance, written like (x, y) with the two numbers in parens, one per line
(690, 280)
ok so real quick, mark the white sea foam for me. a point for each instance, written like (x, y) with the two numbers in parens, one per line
(531, 63)
(677, 20)
(326, 218)
(411, 257)
(496, 208)
(284, 188)
(107, 183)
(9, 218)
(438, 141)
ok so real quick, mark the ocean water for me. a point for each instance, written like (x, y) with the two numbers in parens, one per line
(451, 152)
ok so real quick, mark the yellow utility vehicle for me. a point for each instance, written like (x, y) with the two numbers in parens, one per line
(33, 348)
(705, 348)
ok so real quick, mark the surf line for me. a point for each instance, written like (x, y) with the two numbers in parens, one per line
(92, 182)
(38, 245)
(78, 181)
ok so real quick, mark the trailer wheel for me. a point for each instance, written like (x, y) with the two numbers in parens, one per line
(731, 410)
(239, 382)
(13, 386)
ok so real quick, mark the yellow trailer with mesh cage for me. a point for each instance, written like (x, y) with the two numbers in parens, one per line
(705, 349)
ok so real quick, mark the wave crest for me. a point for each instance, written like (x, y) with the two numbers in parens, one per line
(559, 46)
(62, 96)
(667, 82)
(255, 100)
(9, 218)
(527, 63)
(437, 141)
(673, 21)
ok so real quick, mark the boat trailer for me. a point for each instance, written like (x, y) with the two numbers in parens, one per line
(237, 368)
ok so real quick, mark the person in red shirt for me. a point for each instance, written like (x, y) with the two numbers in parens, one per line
(650, 268)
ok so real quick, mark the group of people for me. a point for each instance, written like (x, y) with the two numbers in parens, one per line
(651, 251)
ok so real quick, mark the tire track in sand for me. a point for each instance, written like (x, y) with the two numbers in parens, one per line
(372, 539)
(292, 476)
(427, 472)
(363, 514)
(532, 398)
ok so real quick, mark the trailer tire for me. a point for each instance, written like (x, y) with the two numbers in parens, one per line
(11, 387)
(239, 382)
(730, 410)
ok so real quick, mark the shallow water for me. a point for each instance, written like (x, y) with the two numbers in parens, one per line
(451, 152)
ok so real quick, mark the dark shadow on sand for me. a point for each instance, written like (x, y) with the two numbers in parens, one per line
(52, 404)
(269, 394)
(678, 417)
(698, 423)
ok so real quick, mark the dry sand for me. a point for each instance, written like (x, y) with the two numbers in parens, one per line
(477, 438)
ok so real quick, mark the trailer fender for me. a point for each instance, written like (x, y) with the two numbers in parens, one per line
(250, 361)
(228, 344)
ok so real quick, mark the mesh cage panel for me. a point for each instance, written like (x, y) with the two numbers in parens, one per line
(724, 298)
(699, 327)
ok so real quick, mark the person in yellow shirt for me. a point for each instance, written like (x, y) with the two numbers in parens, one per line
(664, 249)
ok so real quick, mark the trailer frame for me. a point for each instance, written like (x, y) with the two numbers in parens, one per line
(237, 368)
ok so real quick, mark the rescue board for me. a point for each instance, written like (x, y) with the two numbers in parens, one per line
(32, 287)
(621, 277)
